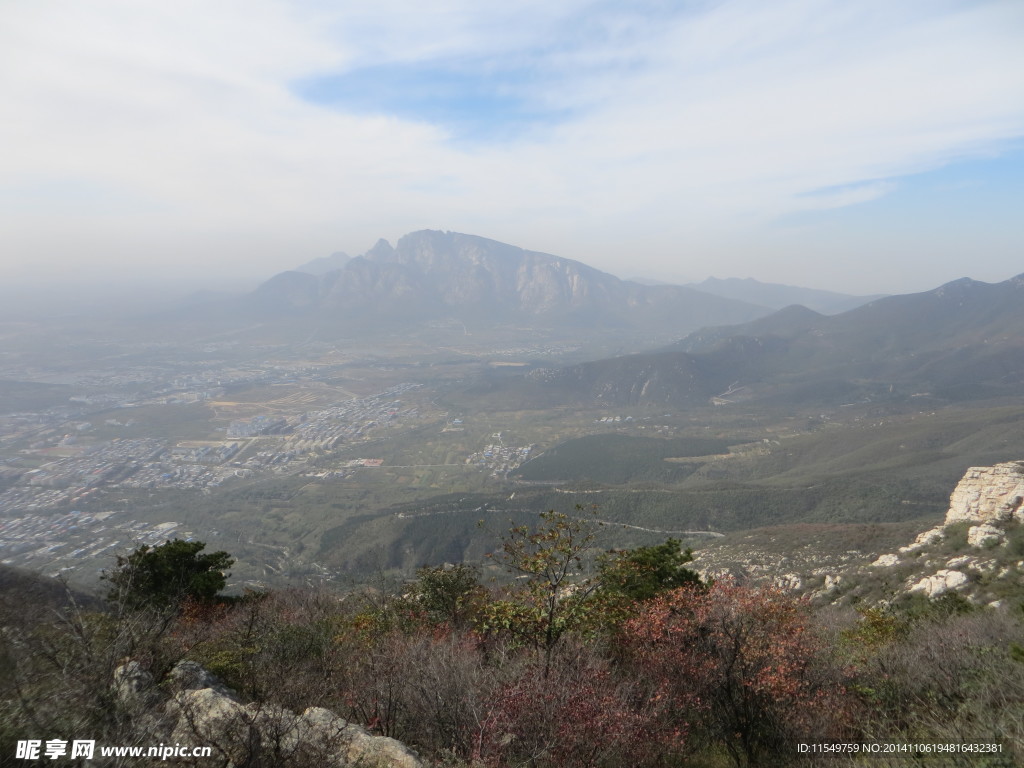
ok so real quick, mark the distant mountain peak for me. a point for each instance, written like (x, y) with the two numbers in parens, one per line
(432, 276)
(381, 249)
(957, 287)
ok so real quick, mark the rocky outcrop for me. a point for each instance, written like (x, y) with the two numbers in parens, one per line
(192, 676)
(789, 581)
(923, 540)
(986, 535)
(988, 501)
(989, 494)
(974, 555)
(240, 732)
(940, 583)
(194, 707)
(133, 686)
(985, 496)
(885, 561)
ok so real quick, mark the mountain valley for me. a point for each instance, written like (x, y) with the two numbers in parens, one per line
(368, 418)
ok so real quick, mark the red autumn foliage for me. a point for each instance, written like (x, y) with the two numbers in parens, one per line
(575, 713)
(740, 664)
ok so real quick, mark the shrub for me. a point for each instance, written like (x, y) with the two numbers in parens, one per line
(577, 713)
(449, 594)
(741, 664)
(953, 678)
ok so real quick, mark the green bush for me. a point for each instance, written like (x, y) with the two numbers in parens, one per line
(168, 574)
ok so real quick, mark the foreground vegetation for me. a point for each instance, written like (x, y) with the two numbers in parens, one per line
(621, 658)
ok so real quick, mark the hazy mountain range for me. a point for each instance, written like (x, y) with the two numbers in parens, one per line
(962, 341)
(446, 282)
(325, 264)
(778, 296)
(430, 277)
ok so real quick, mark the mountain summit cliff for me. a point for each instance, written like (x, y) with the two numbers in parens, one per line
(432, 276)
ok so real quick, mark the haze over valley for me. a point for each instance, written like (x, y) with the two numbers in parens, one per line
(323, 426)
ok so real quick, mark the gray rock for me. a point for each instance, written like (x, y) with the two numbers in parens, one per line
(241, 733)
(134, 687)
(924, 539)
(192, 676)
(356, 746)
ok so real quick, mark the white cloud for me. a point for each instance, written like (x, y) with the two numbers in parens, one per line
(180, 123)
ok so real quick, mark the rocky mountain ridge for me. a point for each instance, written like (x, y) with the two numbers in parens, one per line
(902, 328)
(430, 277)
(325, 264)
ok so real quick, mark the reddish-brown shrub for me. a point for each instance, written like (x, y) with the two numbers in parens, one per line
(575, 713)
(741, 664)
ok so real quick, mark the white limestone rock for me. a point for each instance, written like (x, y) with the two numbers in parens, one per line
(885, 561)
(944, 581)
(240, 732)
(988, 494)
(985, 535)
(924, 539)
(789, 581)
(193, 676)
(205, 716)
(830, 585)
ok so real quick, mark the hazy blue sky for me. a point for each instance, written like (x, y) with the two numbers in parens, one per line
(857, 145)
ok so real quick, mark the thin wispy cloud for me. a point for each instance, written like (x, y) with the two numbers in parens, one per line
(655, 138)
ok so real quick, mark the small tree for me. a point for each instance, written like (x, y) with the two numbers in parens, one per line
(551, 603)
(165, 575)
